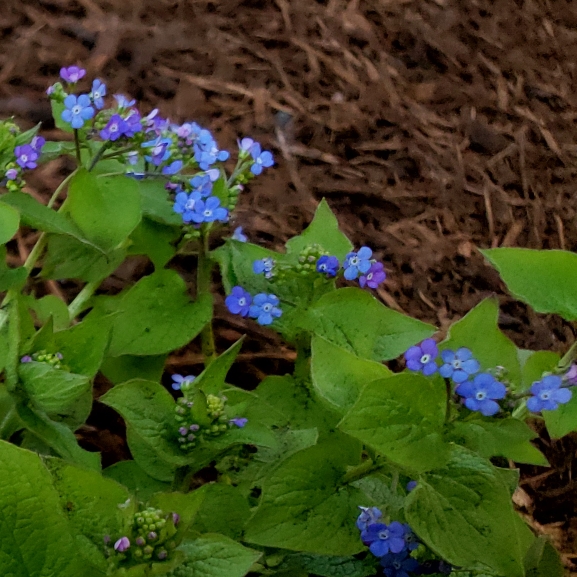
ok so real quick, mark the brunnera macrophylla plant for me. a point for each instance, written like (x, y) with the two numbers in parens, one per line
(342, 468)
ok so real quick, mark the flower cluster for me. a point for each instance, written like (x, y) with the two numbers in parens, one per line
(52, 359)
(24, 156)
(481, 391)
(262, 307)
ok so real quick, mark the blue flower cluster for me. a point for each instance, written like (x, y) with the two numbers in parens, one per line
(25, 158)
(262, 307)
(481, 391)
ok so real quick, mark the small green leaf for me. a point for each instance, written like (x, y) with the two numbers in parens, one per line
(126, 367)
(135, 479)
(339, 376)
(186, 505)
(536, 364)
(155, 241)
(106, 208)
(542, 560)
(562, 420)
(51, 306)
(463, 512)
(544, 279)
(354, 320)
(155, 202)
(214, 555)
(10, 277)
(479, 332)
(403, 418)
(9, 222)
(212, 379)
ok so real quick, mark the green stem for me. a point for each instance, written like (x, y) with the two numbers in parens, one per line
(568, 358)
(361, 471)
(11, 369)
(78, 304)
(77, 145)
(203, 287)
(449, 391)
(98, 156)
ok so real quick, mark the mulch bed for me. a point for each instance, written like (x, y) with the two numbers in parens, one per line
(432, 127)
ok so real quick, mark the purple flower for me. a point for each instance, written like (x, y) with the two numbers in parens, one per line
(238, 235)
(175, 519)
(422, 357)
(383, 539)
(570, 376)
(202, 184)
(72, 74)
(459, 365)
(184, 204)
(398, 564)
(264, 308)
(26, 156)
(173, 168)
(159, 151)
(263, 265)
(178, 381)
(77, 110)
(37, 143)
(239, 422)
(411, 486)
(238, 301)
(11, 174)
(548, 394)
(122, 544)
(481, 394)
(368, 516)
(262, 159)
(97, 93)
(245, 145)
(140, 541)
(133, 123)
(357, 263)
(26, 359)
(374, 277)
(209, 210)
(114, 129)
(328, 265)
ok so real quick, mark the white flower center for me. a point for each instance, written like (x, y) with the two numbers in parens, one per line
(76, 109)
(354, 261)
(242, 301)
(545, 396)
(383, 534)
(480, 395)
(370, 276)
(425, 358)
(114, 128)
(207, 212)
(267, 307)
(24, 158)
(456, 364)
(189, 205)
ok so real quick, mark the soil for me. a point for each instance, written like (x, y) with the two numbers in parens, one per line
(432, 127)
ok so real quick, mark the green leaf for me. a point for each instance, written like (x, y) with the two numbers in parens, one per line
(95, 506)
(9, 222)
(156, 204)
(57, 110)
(305, 508)
(51, 306)
(537, 363)
(58, 437)
(542, 560)
(463, 512)
(329, 566)
(148, 458)
(499, 438)
(338, 375)
(354, 320)
(54, 391)
(156, 316)
(10, 277)
(402, 417)
(214, 555)
(224, 510)
(563, 420)
(106, 208)
(212, 379)
(126, 367)
(544, 279)
(479, 332)
(155, 241)
(35, 537)
(135, 479)
(54, 149)
(323, 230)
(186, 505)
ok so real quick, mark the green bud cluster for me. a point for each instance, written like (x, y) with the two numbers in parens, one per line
(187, 428)
(308, 258)
(52, 359)
(57, 93)
(153, 531)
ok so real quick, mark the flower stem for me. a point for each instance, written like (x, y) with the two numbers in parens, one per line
(98, 156)
(203, 287)
(449, 391)
(78, 304)
(11, 369)
(77, 144)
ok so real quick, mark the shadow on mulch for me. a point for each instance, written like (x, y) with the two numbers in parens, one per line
(431, 126)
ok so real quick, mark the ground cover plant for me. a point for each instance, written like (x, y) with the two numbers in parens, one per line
(342, 468)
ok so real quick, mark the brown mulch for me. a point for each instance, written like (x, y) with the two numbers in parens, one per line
(431, 126)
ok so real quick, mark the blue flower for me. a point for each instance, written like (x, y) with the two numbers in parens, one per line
(184, 204)
(179, 382)
(262, 159)
(238, 301)
(37, 143)
(411, 486)
(422, 357)
(202, 183)
(459, 365)
(72, 74)
(264, 265)
(411, 541)
(77, 110)
(115, 128)
(173, 167)
(244, 146)
(26, 156)
(548, 394)
(239, 422)
(328, 265)
(97, 93)
(238, 234)
(383, 539)
(264, 308)
(398, 564)
(481, 394)
(123, 102)
(159, 151)
(208, 210)
(368, 516)
(133, 123)
(357, 263)
(206, 150)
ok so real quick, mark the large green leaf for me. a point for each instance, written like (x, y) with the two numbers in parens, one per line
(106, 208)
(324, 231)
(339, 375)
(463, 512)
(544, 279)
(9, 222)
(35, 537)
(156, 316)
(121, 369)
(305, 508)
(542, 560)
(155, 241)
(479, 332)
(214, 555)
(155, 202)
(328, 565)
(354, 320)
(402, 417)
(10, 277)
